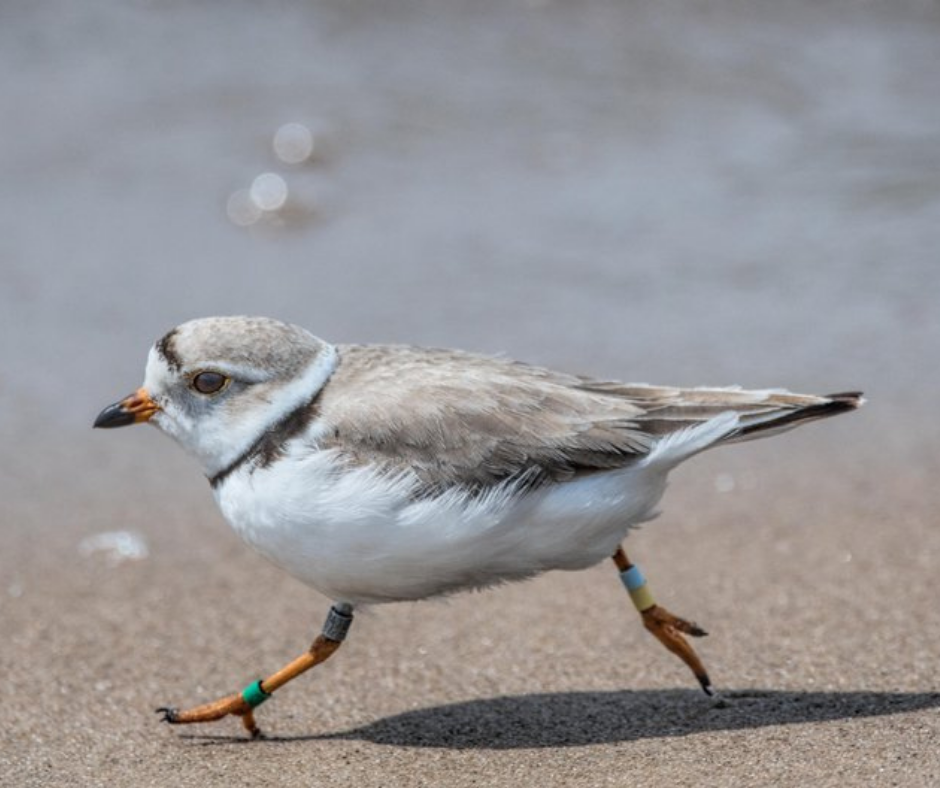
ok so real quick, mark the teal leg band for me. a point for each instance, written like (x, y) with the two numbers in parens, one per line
(253, 695)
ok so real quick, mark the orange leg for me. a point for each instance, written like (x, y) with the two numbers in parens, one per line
(244, 703)
(667, 628)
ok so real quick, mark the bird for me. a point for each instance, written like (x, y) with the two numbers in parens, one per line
(388, 473)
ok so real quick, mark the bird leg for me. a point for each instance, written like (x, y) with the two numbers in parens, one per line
(667, 628)
(243, 704)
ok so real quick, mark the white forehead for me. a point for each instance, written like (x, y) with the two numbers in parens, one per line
(157, 375)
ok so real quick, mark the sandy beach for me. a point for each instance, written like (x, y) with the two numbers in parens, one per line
(735, 194)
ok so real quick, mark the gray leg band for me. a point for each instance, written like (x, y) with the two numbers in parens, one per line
(337, 624)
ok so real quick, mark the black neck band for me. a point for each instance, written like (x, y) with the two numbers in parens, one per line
(270, 445)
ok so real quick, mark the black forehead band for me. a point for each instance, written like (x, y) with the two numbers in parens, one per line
(166, 348)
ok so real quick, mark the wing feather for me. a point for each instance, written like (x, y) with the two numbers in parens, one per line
(454, 418)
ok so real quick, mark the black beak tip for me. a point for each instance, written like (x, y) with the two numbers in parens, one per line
(114, 416)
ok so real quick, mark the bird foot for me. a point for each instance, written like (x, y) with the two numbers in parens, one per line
(669, 629)
(210, 712)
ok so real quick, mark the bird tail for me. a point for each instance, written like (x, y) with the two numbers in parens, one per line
(767, 424)
(709, 417)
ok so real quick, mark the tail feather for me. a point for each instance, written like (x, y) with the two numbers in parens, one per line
(692, 420)
(771, 423)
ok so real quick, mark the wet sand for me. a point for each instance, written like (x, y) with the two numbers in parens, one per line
(731, 195)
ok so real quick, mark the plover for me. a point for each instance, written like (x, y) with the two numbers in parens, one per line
(388, 473)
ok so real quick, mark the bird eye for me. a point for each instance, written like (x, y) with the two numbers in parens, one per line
(209, 382)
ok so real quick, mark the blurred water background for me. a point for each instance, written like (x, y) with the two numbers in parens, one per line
(707, 193)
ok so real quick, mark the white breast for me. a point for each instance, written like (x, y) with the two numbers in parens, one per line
(359, 536)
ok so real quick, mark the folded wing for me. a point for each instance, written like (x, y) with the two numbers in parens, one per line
(458, 418)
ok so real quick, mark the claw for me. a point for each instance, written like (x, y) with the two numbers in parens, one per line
(706, 684)
(689, 627)
(170, 714)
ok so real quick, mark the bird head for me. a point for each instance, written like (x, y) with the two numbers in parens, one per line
(217, 384)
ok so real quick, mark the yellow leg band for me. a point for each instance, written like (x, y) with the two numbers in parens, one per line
(642, 597)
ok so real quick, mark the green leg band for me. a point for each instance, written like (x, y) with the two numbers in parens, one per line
(253, 695)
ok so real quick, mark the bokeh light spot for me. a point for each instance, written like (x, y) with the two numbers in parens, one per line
(269, 191)
(293, 143)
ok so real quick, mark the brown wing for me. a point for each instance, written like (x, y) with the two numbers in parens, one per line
(459, 418)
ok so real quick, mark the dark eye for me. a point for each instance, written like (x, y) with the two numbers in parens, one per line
(209, 382)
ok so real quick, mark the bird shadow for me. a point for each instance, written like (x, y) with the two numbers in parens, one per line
(574, 719)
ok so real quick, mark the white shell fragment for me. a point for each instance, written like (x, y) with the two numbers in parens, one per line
(116, 546)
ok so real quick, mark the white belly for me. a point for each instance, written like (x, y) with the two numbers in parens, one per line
(359, 537)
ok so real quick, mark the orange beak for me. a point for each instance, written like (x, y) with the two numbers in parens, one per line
(134, 409)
